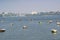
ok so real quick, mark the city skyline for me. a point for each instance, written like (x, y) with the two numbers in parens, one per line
(25, 6)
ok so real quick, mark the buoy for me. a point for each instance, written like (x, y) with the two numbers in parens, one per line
(2, 30)
(24, 27)
(54, 31)
(50, 21)
(58, 23)
(40, 22)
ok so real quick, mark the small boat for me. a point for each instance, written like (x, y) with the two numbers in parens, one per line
(54, 31)
(2, 30)
(58, 23)
(50, 21)
(24, 27)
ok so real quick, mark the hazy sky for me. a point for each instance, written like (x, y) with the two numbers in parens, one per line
(25, 6)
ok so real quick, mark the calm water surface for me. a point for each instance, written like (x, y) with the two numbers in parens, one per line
(34, 31)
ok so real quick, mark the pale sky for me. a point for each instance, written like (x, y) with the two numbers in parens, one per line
(26, 6)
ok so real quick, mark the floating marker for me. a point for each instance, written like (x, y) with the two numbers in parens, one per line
(54, 31)
(58, 23)
(40, 22)
(2, 30)
(50, 21)
(24, 27)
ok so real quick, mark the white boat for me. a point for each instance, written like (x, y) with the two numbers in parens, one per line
(2, 30)
(24, 27)
(58, 23)
(50, 21)
(54, 31)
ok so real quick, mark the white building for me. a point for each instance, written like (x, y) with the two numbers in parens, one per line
(34, 12)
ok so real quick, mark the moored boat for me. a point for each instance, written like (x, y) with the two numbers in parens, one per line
(2, 30)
